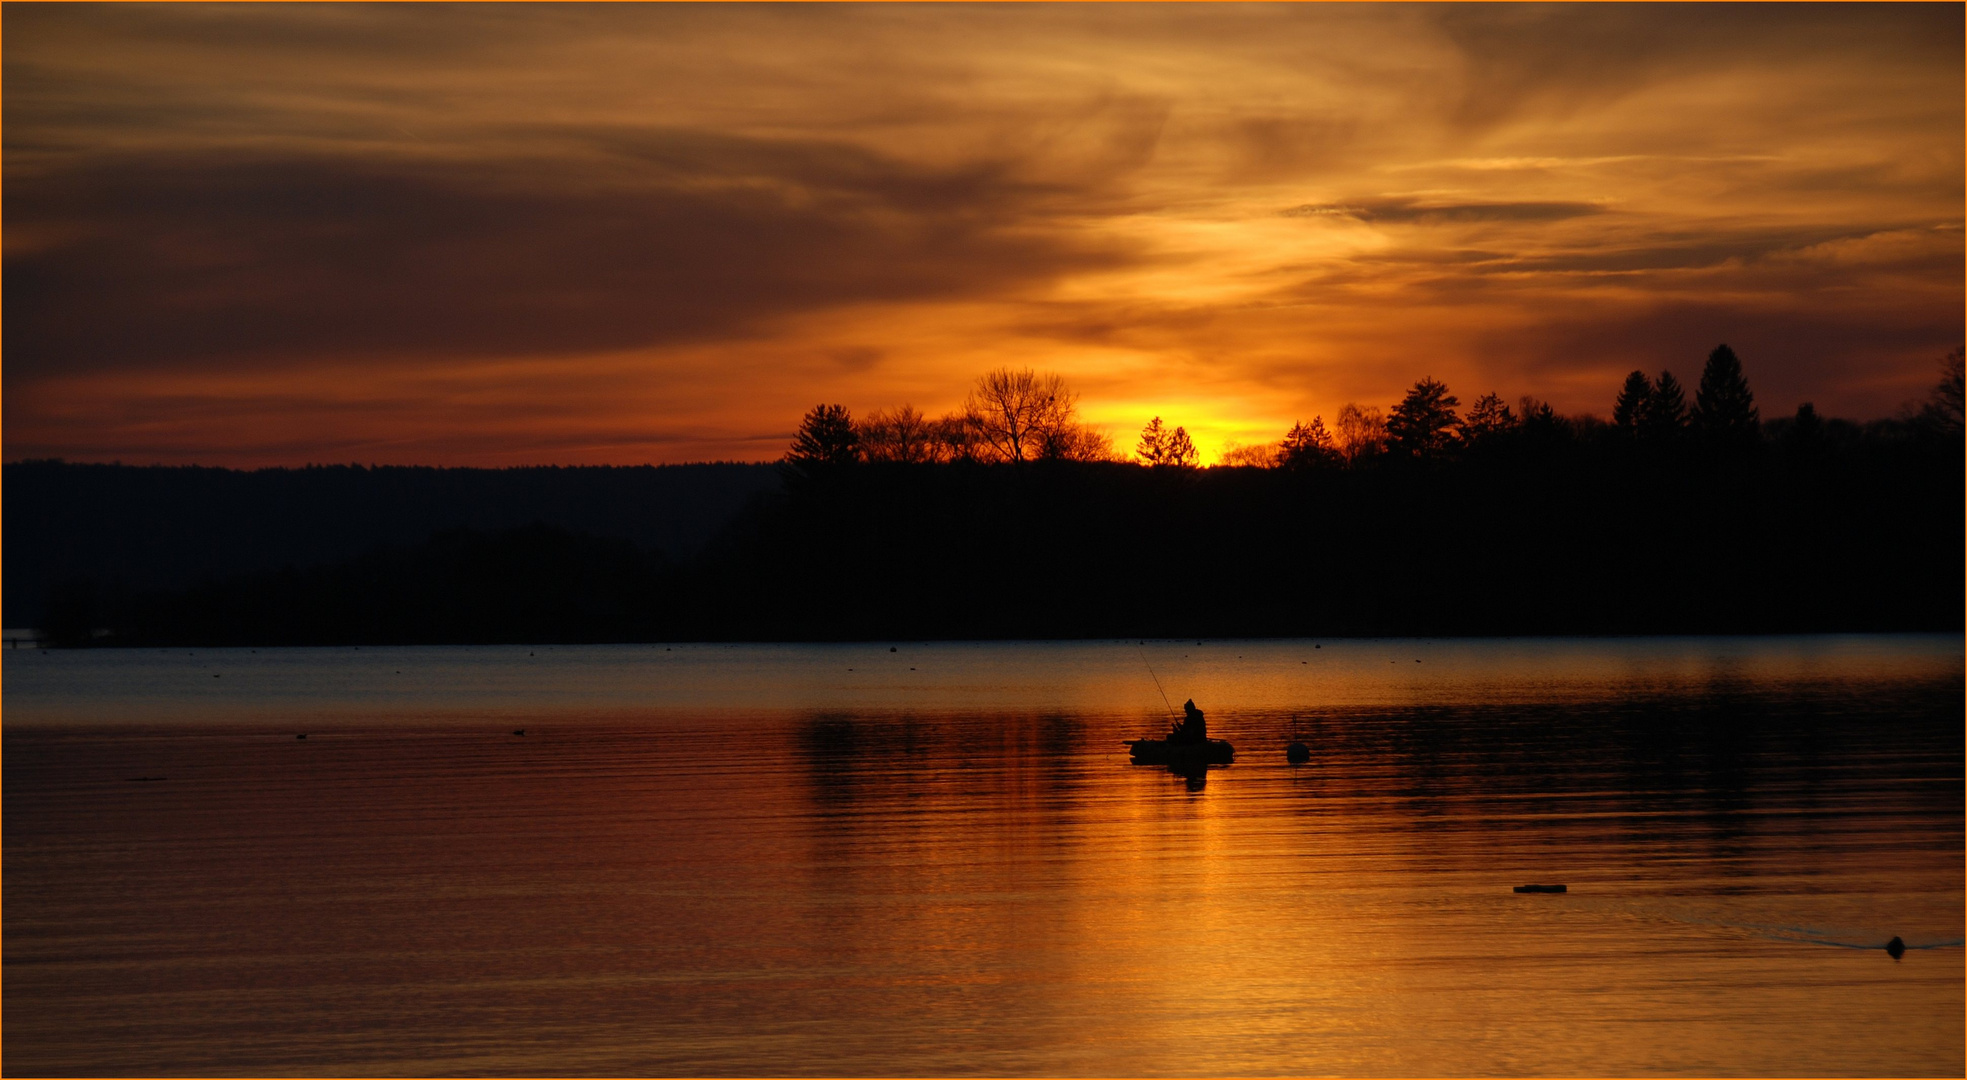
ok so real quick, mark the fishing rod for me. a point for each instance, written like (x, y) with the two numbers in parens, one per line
(1157, 682)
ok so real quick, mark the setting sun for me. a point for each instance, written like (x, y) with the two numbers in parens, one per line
(625, 234)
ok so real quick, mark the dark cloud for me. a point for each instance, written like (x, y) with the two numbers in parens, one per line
(1774, 260)
(856, 357)
(292, 225)
(213, 258)
(1423, 212)
(1571, 57)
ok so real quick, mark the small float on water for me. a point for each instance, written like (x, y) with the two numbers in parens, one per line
(1187, 747)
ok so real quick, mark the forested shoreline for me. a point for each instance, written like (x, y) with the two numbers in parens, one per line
(1496, 522)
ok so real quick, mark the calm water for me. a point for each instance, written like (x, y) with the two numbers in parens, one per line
(841, 859)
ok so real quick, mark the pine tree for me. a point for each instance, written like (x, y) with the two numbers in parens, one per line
(1153, 447)
(826, 440)
(1306, 445)
(1666, 412)
(1724, 410)
(1629, 412)
(1541, 422)
(1424, 421)
(1487, 419)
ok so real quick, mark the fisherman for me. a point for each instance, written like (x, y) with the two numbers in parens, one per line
(1192, 728)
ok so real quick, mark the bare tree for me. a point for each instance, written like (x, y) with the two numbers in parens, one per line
(951, 438)
(1015, 413)
(1942, 408)
(1260, 456)
(1362, 432)
(1076, 442)
(903, 435)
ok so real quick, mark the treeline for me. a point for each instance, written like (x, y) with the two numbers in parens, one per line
(84, 541)
(1673, 517)
(1018, 416)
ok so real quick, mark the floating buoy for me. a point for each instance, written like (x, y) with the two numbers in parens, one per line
(1896, 947)
(1297, 753)
(1540, 888)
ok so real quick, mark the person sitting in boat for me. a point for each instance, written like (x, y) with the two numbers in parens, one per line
(1192, 728)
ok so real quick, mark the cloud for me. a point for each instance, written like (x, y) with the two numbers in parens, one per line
(214, 258)
(1411, 211)
(482, 232)
(1566, 59)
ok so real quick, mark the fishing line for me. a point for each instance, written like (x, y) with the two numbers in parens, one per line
(1157, 682)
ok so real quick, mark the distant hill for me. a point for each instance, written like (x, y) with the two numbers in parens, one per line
(148, 528)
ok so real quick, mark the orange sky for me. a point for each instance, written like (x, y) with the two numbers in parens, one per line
(472, 235)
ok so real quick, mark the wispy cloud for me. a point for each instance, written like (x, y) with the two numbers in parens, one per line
(478, 233)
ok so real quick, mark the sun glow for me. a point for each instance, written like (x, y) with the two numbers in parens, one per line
(631, 234)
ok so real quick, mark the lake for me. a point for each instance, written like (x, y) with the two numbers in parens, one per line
(907, 859)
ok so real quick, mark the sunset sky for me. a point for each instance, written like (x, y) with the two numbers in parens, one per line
(464, 235)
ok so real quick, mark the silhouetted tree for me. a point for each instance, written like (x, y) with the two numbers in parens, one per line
(1260, 456)
(1159, 446)
(1629, 411)
(1942, 409)
(1014, 413)
(1074, 441)
(1153, 447)
(826, 440)
(1724, 410)
(1362, 432)
(1541, 424)
(1423, 424)
(1806, 429)
(952, 438)
(903, 435)
(1666, 410)
(1179, 451)
(1488, 419)
(1306, 446)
